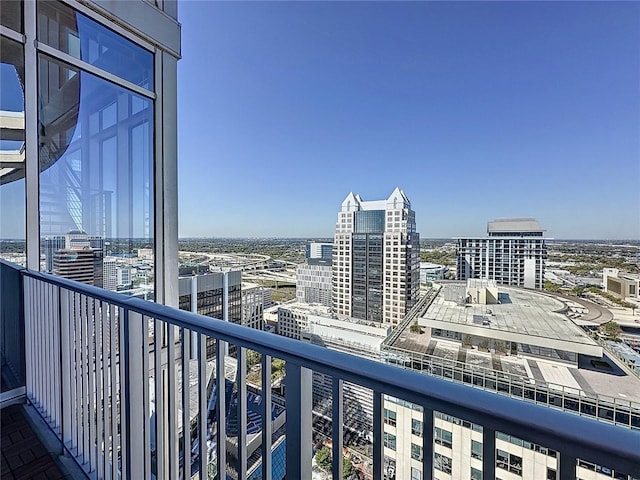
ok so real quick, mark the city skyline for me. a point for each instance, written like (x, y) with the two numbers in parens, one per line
(476, 110)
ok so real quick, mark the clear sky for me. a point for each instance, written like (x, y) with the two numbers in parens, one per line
(476, 110)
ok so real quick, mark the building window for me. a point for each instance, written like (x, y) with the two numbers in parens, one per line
(416, 452)
(508, 461)
(476, 450)
(390, 417)
(476, 474)
(443, 437)
(551, 474)
(416, 427)
(389, 441)
(96, 140)
(416, 474)
(12, 179)
(73, 33)
(442, 463)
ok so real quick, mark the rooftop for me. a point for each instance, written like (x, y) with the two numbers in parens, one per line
(521, 315)
(514, 225)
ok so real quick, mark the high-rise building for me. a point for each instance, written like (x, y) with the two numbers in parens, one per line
(253, 305)
(319, 250)
(313, 278)
(217, 295)
(376, 259)
(80, 259)
(514, 253)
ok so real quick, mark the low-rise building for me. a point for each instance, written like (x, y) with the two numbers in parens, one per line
(511, 341)
(622, 285)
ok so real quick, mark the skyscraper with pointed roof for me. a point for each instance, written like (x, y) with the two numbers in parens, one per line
(376, 259)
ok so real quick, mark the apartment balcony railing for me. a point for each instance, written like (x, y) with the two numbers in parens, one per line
(110, 375)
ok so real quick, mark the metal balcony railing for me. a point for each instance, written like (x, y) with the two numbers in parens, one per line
(118, 378)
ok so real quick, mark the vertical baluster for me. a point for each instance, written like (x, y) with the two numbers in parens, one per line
(86, 371)
(76, 387)
(242, 410)
(161, 452)
(104, 378)
(221, 413)
(172, 403)
(134, 402)
(267, 424)
(114, 391)
(65, 367)
(28, 336)
(203, 381)
(99, 368)
(299, 434)
(123, 385)
(186, 402)
(91, 373)
(146, 401)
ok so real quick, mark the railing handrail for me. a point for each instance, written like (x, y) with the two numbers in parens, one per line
(607, 444)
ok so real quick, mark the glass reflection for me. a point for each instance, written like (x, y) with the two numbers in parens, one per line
(96, 184)
(11, 15)
(71, 32)
(12, 152)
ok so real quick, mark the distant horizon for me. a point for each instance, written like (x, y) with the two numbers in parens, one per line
(319, 238)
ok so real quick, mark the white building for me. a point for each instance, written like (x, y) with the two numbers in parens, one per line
(253, 305)
(376, 259)
(514, 253)
(293, 318)
(494, 332)
(313, 282)
(620, 284)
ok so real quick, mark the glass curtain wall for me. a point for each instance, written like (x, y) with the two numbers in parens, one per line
(12, 138)
(96, 152)
(95, 142)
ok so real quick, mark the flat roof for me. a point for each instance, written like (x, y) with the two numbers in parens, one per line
(522, 316)
(514, 225)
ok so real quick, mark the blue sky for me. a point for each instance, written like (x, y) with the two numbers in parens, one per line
(476, 110)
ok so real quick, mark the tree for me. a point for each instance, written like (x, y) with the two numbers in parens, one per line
(551, 287)
(611, 329)
(323, 458)
(578, 291)
(415, 328)
(347, 468)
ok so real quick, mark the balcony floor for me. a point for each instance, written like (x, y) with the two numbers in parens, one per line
(23, 454)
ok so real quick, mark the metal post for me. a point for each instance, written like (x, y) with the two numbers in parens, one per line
(298, 429)
(134, 401)
(267, 423)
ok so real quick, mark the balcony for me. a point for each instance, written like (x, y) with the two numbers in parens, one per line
(116, 379)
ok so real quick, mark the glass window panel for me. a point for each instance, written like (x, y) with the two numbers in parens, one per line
(96, 188)
(61, 27)
(12, 152)
(11, 15)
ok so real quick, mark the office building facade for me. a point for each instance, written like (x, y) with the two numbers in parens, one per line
(217, 295)
(313, 282)
(376, 259)
(513, 253)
